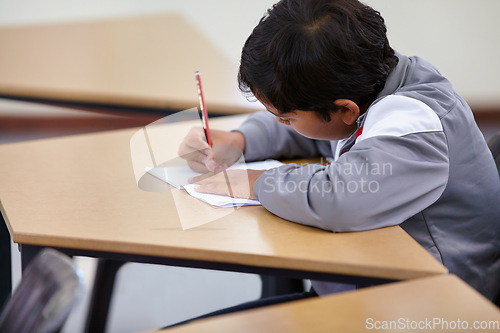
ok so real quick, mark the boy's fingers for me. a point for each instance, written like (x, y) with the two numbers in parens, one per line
(197, 143)
(194, 141)
(210, 164)
(213, 188)
(196, 160)
(214, 167)
(187, 152)
(220, 167)
(197, 166)
(198, 155)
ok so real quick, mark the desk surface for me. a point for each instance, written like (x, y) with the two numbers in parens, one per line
(145, 62)
(80, 192)
(436, 304)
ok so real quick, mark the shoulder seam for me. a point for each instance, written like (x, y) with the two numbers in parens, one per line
(400, 115)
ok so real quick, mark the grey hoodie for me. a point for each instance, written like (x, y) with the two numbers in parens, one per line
(418, 160)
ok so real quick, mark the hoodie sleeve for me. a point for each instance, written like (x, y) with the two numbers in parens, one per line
(266, 138)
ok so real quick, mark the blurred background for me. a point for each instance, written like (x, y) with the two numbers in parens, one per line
(459, 37)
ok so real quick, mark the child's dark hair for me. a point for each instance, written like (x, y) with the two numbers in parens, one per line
(305, 54)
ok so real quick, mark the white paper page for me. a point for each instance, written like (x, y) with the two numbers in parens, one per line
(181, 174)
(219, 200)
(176, 176)
(259, 165)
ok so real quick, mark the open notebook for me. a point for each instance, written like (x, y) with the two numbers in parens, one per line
(178, 176)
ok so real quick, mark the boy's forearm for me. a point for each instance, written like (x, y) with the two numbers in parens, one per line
(237, 139)
(265, 138)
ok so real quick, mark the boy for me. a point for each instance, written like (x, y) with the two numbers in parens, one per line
(406, 148)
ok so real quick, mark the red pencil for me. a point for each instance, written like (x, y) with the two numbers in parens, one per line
(203, 109)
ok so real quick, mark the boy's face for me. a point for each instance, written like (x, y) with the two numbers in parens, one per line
(310, 125)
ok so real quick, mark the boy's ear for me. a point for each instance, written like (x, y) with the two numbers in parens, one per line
(349, 111)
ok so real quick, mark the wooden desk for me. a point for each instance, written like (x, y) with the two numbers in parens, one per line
(79, 194)
(431, 303)
(142, 62)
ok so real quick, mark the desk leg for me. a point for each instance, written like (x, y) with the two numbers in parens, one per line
(101, 295)
(5, 262)
(28, 253)
(276, 286)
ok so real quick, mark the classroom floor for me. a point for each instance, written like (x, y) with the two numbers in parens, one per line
(146, 297)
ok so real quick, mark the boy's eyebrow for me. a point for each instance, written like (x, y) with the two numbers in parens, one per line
(279, 115)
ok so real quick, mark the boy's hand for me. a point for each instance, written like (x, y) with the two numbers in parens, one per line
(233, 183)
(226, 150)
